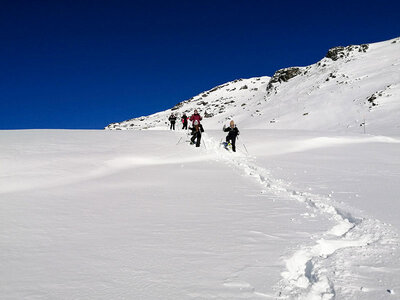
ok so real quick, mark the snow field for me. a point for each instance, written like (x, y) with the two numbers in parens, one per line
(306, 277)
(102, 215)
(135, 214)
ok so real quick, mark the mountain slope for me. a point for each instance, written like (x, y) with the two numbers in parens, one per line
(212, 104)
(351, 84)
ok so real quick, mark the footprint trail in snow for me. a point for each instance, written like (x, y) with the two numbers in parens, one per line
(314, 270)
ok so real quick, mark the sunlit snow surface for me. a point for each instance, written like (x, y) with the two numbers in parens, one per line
(144, 215)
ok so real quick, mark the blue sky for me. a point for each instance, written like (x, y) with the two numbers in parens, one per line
(84, 64)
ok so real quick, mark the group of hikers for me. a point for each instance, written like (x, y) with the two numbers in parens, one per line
(197, 128)
(172, 119)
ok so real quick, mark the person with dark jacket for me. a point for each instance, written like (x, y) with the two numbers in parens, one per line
(195, 117)
(172, 119)
(233, 132)
(184, 121)
(197, 129)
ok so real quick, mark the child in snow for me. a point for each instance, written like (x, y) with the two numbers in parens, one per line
(197, 129)
(172, 119)
(233, 132)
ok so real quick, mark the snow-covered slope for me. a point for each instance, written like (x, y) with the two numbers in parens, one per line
(137, 215)
(348, 87)
(215, 104)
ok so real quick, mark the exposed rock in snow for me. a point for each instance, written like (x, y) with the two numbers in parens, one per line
(283, 75)
(342, 52)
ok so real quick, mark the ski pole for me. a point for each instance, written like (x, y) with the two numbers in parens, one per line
(179, 141)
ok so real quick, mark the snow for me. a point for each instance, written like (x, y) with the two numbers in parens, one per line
(307, 208)
(131, 214)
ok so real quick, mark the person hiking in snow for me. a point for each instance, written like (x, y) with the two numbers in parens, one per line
(195, 117)
(172, 119)
(197, 129)
(233, 132)
(184, 121)
(193, 128)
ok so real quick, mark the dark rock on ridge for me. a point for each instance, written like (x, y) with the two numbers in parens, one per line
(342, 52)
(283, 75)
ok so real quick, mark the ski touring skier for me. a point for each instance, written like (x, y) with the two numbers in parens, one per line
(233, 132)
(172, 119)
(184, 121)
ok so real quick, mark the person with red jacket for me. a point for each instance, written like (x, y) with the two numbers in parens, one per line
(195, 117)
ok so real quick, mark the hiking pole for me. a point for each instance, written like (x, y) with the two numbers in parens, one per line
(204, 143)
(245, 148)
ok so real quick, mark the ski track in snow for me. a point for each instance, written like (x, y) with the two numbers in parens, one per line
(306, 275)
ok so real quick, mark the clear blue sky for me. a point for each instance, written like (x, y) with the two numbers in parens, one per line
(84, 64)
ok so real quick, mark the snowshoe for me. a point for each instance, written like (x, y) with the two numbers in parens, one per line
(227, 146)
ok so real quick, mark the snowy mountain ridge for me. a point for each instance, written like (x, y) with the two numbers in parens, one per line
(210, 104)
(349, 86)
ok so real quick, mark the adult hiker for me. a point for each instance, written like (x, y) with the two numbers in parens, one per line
(233, 132)
(184, 121)
(172, 119)
(195, 117)
(196, 133)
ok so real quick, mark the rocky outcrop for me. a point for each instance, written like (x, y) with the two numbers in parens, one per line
(208, 115)
(178, 106)
(342, 52)
(283, 75)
